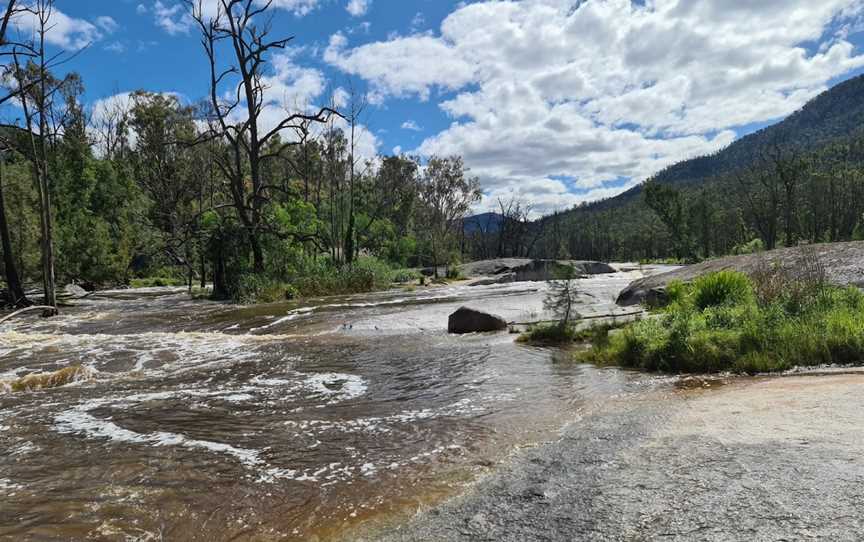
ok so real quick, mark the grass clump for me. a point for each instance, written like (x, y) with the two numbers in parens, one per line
(720, 289)
(548, 335)
(319, 278)
(729, 322)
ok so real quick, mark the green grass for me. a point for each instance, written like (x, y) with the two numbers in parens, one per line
(548, 335)
(319, 278)
(720, 323)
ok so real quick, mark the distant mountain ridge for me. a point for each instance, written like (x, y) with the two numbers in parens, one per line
(483, 223)
(837, 112)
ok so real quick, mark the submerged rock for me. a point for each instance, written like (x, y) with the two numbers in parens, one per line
(41, 381)
(467, 320)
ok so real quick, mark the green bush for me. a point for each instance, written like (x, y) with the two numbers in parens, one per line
(717, 325)
(321, 277)
(722, 288)
(752, 247)
(401, 276)
(548, 334)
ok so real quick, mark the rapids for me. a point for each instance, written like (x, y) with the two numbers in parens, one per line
(201, 420)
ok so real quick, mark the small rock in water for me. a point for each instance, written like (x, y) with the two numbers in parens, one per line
(467, 320)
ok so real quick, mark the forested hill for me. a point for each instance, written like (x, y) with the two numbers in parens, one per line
(836, 113)
(800, 180)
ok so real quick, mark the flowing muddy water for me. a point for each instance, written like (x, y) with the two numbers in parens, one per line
(200, 420)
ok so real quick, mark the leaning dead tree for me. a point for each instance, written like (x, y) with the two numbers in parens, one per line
(240, 30)
(35, 91)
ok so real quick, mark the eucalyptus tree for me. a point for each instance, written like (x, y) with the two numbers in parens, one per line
(447, 196)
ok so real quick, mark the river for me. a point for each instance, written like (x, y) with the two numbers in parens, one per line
(197, 420)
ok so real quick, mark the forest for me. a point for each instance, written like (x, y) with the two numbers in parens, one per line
(159, 191)
(798, 181)
(163, 192)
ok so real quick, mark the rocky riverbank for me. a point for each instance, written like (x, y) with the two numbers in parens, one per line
(756, 459)
(842, 263)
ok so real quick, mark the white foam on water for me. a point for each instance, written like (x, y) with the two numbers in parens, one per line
(79, 420)
(382, 424)
(8, 487)
(277, 322)
(338, 386)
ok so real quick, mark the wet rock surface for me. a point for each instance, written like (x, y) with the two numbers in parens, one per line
(772, 459)
(524, 269)
(842, 262)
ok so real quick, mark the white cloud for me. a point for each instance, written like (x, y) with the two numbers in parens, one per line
(396, 67)
(411, 125)
(174, 17)
(108, 24)
(299, 8)
(66, 32)
(358, 8)
(115, 47)
(606, 89)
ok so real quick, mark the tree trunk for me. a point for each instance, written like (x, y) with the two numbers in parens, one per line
(48, 282)
(13, 280)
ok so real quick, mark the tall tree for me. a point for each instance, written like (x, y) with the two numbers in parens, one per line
(669, 206)
(243, 27)
(37, 90)
(16, 296)
(447, 196)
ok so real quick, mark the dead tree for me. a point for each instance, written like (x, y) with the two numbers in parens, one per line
(15, 294)
(244, 27)
(35, 95)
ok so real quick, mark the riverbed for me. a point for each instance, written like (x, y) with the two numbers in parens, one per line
(197, 420)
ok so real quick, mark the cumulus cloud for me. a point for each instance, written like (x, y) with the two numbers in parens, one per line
(64, 31)
(603, 90)
(173, 19)
(358, 8)
(174, 16)
(411, 125)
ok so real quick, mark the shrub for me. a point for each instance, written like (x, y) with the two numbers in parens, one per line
(752, 247)
(548, 334)
(402, 276)
(722, 288)
(717, 325)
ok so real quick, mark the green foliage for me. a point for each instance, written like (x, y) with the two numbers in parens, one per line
(719, 325)
(722, 288)
(401, 276)
(751, 247)
(548, 335)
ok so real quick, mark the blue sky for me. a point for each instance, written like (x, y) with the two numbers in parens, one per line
(140, 54)
(553, 101)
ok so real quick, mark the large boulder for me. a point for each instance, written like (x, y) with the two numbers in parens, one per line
(76, 291)
(527, 270)
(497, 279)
(840, 261)
(467, 320)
